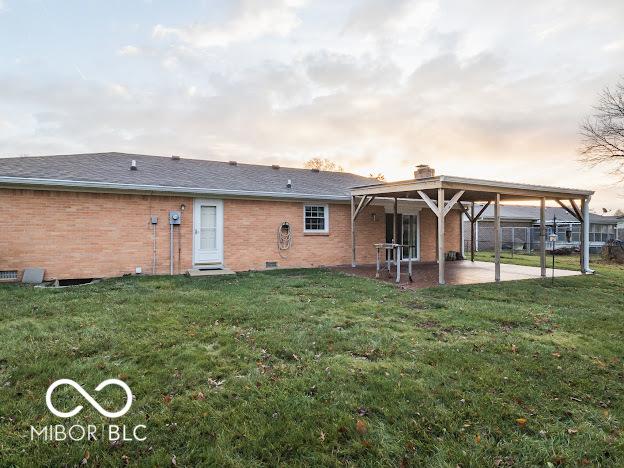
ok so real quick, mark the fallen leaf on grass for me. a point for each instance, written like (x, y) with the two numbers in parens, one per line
(360, 426)
(322, 437)
(514, 349)
(167, 399)
(215, 383)
(366, 443)
(200, 396)
(174, 462)
(478, 438)
(555, 354)
(85, 458)
(521, 422)
(572, 431)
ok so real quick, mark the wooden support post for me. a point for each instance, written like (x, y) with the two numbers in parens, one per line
(395, 221)
(441, 252)
(409, 263)
(378, 263)
(585, 233)
(473, 231)
(398, 263)
(497, 239)
(352, 232)
(395, 228)
(543, 237)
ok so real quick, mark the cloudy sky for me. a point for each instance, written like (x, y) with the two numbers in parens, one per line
(483, 88)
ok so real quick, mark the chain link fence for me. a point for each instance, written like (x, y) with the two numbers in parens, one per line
(525, 239)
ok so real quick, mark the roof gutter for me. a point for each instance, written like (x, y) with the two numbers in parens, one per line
(163, 188)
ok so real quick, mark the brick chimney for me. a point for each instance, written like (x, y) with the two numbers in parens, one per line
(423, 171)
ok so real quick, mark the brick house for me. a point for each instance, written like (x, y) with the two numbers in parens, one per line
(110, 214)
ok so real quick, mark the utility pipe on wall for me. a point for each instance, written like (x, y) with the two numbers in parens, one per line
(171, 248)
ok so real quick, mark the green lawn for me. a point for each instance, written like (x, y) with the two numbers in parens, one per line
(317, 368)
(566, 262)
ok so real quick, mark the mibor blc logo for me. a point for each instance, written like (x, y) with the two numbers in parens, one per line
(90, 432)
(89, 398)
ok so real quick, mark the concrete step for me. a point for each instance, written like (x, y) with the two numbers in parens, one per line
(209, 272)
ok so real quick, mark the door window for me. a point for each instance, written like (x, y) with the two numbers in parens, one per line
(208, 228)
(409, 232)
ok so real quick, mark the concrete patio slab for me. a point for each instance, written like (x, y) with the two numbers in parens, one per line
(425, 275)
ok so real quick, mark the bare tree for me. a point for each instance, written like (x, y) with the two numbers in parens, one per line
(603, 132)
(323, 164)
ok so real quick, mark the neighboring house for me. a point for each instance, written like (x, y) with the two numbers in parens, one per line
(109, 214)
(520, 228)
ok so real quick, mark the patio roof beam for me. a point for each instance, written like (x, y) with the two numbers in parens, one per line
(364, 202)
(573, 212)
(579, 215)
(476, 189)
(430, 203)
(452, 202)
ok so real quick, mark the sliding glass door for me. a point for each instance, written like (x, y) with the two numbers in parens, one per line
(409, 236)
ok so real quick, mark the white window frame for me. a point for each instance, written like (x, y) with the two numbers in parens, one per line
(326, 217)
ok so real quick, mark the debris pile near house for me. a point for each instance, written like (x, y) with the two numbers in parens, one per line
(613, 251)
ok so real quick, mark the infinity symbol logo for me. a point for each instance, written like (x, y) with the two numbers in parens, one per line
(89, 398)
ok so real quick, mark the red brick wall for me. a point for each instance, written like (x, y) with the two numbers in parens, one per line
(250, 233)
(429, 234)
(83, 234)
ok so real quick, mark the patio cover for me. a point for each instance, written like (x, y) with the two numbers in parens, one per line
(442, 193)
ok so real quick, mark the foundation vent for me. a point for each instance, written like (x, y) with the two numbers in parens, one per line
(8, 275)
(270, 264)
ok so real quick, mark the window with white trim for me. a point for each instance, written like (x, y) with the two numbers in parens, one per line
(316, 218)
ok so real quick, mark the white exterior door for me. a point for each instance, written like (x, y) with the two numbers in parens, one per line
(208, 232)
